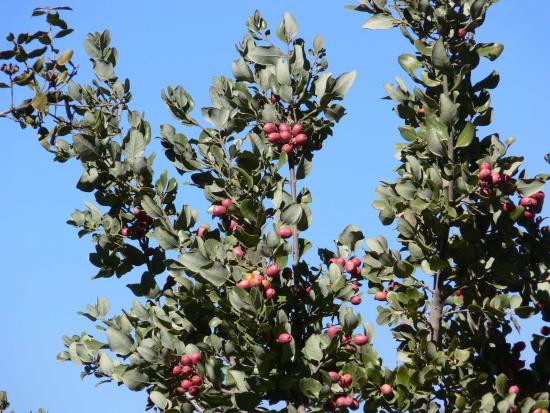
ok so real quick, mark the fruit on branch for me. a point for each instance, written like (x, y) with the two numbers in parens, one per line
(244, 284)
(350, 266)
(513, 389)
(287, 148)
(273, 271)
(285, 232)
(461, 32)
(332, 331)
(381, 296)
(355, 300)
(227, 202)
(124, 232)
(219, 211)
(334, 376)
(176, 370)
(270, 294)
(386, 389)
(186, 360)
(360, 339)
(275, 98)
(508, 207)
(345, 380)
(202, 229)
(284, 338)
(545, 330)
(238, 251)
(270, 127)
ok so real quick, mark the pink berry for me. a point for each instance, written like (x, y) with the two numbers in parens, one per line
(273, 271)
(285, 232)
(219, 211)
(227, 202)
(274, 137)
(495, 178)
(196, 380)
(286, 137)
(194, 390)
(335, 377)
(238, 251)
(186, 371)
(360, 339)
(185, 384)
(513, 389)
(186, 360)
(381, 296)
(332, 330)
(244, 284)
(350, 266)
(269, 127)
(176, 371)
(124, 232)
(283, 127)
(485, 175)
(284, 338)
(345, 380)
(461, 32)
(297, 128)
(356, 300)
(287, 147)
(300, 139)
(485, 165)
(386, 389)
(270, 294)
(196, 357)
(355, 287)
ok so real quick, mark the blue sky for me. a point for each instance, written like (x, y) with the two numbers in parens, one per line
(46, 273)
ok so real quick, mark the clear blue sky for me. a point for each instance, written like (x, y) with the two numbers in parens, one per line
(45, 269)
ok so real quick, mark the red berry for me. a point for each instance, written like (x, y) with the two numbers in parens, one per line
(233, 225)
(360, 339)
(185, 384)
(270, 293)
(284, 338)
(179, 391)
(355, 287)
(124, 232)
(337, 260)
(381, 296)
(356, 261)
(202, 229)
(461, 32)
(137, 212)
(354, 404)
(300, 139)
(545, 330)
(386, 389)
(238, 251)
(297, 128)
(266, 284)
(335, 377)
(513, 389)
(196, 380)
(528, 215)
(421, 111)
(176, 371)
(219, 211)
(244, 284)
(350, 266)
(539, 196)
(275, 98)
(485, 165)
(332, 330)
(285, 232)
(495, 178)
(273, 271)
(283, 127)
(519, 346)
(286, 137)
(186, 360)
(287, 147)
(341, 401)
(508, 207)
(186, 371)
(227, 202)
(345, 380)
(274, 137)
(485, 175)
(528, 201)
(269, 127)
(196, 357)
(194, 390)
(355, 300)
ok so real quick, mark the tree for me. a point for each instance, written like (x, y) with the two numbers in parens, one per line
(242, 322)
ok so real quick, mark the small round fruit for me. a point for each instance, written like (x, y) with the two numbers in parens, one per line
(284, 338)
(185, 384)
(287, 147)
(461, 32)
(186, 371)
(186, 360)
(300, 139)
(513, 389)
(285, 232)
(508, 207)
(360, 339)
(350, 266)
(345, 380)
(265, 284)
(196, 357)
(176, 370)
(332, 330)
(202, 229)
(297, 128)
(386, 389)
(355, 287)
(528, 215)
(196, 380)
(519, 346)
(283, 127)
(421, 111)
(270, 127)
(335, 377)
(496, 179)
(485, 175)
(194, 390)
(179, 391)
(354, 404)
(275, 98)
(545, 330)
(285, 137)
(342, 401)
(244, 284)
(124, 232)
(273, 271)
(238, 251)
(274, 137)
(355, 300)
(219, 211)
(227, 202)
(381, 296)
(528, 201)
(270, 293)
(485, 165)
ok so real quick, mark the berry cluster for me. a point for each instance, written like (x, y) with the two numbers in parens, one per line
(223, 211)
(350, 343)
(489, 179)
(285, 137)
(256, 280)
(532, 204)
(140, 226)
(192, 381)
(352, 267)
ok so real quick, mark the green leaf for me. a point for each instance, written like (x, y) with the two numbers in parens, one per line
(265, 55)
(440, 58)
(135, 379)
(159, 400)
(217, 274)
(40, 102)
(151, 207)
(120, 343)
(343, 84)
(487, 402)
(310, 388)
(241, 71)
(65, 57)
(490, 50)
(288, 29)
(217, 117)
(380, 22)
(85, 147)
(291, 214)
(528, 187)
(409, 63)
(165, 238)
(448, 109)
(466, 136)
(104, 70)
(501, 385)
(312, 349)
